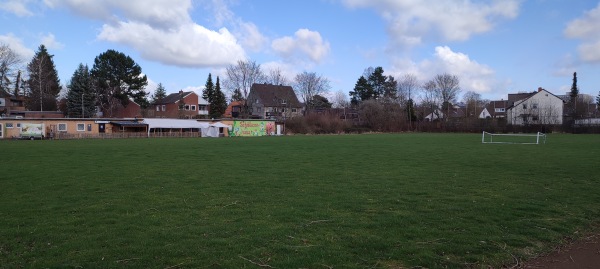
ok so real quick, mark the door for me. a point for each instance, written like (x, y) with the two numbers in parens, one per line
(101, 127)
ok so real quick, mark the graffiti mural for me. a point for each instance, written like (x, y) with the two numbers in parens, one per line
(252, 128)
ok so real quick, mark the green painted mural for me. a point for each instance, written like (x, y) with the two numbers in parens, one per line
(252, 128)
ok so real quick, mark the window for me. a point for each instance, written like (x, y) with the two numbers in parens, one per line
(535, 118)
(89, 128)
(283, 102)
(499, 109)
(257, 101)
(187, 107)
(534, 106)
(524, 106)
(9, 125)
(193, 108)
(1, 134)
(18, 125)
(80, 127)
(164, 108)
(62, 127)
(157, 108)
(293, 110)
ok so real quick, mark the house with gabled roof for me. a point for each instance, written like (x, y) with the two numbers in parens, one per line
(541, 107)
(11, 105)
(179, 105)
(267, 101)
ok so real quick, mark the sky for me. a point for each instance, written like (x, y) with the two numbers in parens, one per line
(494, 47)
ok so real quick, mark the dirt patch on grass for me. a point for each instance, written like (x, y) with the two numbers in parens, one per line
(582, 253)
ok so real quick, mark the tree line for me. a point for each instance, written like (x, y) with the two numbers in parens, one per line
(115, 79)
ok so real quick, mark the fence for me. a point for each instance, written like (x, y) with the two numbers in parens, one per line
(64, 136)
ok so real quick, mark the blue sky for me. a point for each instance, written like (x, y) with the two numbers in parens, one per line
(495, 47)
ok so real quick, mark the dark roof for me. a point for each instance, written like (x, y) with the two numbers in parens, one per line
(173, 98)
(129, 123)
(514, 97)
(273, 95)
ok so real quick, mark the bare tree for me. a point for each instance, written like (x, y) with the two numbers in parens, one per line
(340, 100)
(307, 85)
(407, 86)
(473, 103)
(429, 100)
(447, 89)
(276, 77)
(9, 62)
(242, 75)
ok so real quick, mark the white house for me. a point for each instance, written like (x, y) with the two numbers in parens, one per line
(202, 106)
(542, 107)
(484, 114)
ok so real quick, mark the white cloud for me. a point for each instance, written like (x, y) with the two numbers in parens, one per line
(50, 42)
(587, 28)
(454, 20)
(250, 36)
(157, 13)
(190, 45)
(16, 45)
(473, 76)
(17, 7)
(304, 43)
(161, 31)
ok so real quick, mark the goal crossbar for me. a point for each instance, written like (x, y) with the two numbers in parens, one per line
(531, 139)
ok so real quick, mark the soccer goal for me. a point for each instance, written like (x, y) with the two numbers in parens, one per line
(490, 138)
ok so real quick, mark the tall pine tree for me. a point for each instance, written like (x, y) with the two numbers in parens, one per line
(118, 78)
(218, 104)
(574, 93)
(43, 83)
(209, 89)
(362, 91)
(159, 94)
(80, 97)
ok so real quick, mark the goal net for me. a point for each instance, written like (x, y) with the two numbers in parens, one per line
(491, 138)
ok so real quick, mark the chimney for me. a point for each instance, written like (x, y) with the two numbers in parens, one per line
(540, 89)
(180, 91)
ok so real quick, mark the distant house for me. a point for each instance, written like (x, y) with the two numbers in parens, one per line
(266, 101)
(131, 110)
(180, 105)
(484, 113)
(541, 107)
(202, 106)
(11, 105)
(497, 109)
(233, 109)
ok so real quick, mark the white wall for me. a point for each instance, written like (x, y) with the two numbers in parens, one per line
(541, 108)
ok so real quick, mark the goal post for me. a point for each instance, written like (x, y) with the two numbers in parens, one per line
(532, 139)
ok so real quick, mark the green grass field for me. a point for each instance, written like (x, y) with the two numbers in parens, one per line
(353, 201)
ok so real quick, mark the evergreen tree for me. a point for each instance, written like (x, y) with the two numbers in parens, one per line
(209, 89)
(218, 104)
(118, 78)
(377, 81)
(237, 96)
(319, 101)
(362, 91)
(159, 94)
(80, 97)
(598, 101)
(43, 83)
(573, 94)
